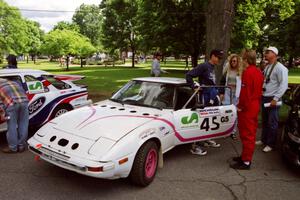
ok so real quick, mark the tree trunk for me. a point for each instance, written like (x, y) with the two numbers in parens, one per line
(290, 63)
(133, 57)
(81, 65)
(219, 18)
(68, 63)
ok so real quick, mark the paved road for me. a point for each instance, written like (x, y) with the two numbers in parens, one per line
(184, 176)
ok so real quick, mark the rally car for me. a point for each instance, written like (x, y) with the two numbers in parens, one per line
(128, 134)
(49, 95)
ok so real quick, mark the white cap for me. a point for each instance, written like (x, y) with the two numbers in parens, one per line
(274, 49)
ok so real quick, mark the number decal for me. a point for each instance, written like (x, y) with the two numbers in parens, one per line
(215, 123)
(205, 125)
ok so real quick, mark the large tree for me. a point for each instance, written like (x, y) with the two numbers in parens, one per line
(119, 25)
(59, 43)
(173, 27)
(89, 20)
(13, 38)
(34, 38)
(219, 15)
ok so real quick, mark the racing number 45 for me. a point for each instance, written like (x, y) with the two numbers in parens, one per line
(206, 125)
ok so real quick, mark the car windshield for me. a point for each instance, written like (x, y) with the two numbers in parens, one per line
(148, 94)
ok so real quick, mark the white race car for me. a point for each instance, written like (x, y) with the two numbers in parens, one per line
(49, 95)
(128, 134)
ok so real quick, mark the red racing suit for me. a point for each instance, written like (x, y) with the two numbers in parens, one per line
(249, 103)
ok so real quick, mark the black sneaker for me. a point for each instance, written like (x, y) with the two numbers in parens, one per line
(240, 166)
(237, 159)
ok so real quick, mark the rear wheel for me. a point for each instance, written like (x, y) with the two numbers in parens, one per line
(145, 164)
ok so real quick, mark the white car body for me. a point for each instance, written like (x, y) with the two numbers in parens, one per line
(45, 101)
(103, 140)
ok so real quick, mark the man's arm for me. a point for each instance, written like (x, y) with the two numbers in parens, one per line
(195, 72)
(282, 77)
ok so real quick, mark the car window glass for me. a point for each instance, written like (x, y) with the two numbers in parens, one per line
(183, 95)
(149, 94)
(29, 78)
(58, 84)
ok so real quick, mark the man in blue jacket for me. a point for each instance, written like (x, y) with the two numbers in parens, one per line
(206, 77)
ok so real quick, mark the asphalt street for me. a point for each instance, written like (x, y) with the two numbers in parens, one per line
(184, 176)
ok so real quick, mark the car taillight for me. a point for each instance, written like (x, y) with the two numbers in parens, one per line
(95, 169)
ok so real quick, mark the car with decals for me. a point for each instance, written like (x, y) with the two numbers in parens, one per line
(49, 95)
(127, 135)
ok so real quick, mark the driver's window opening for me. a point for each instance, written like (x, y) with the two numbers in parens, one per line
(183, 95)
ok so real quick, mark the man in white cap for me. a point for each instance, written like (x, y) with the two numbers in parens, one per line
(275, 85)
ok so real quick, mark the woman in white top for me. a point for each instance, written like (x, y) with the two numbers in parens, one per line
(232, 74)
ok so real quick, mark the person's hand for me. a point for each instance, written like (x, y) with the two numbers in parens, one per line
(273, 103)
(239, 110)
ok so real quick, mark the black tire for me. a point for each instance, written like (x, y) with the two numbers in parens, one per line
(59, 110)
(138, 174)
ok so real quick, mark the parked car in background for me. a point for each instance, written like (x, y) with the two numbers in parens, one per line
(128, 134)
(290, 138)
(49, 95)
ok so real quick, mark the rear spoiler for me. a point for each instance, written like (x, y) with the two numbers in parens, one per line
(69, 77)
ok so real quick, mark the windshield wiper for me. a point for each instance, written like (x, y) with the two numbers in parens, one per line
(117, 100)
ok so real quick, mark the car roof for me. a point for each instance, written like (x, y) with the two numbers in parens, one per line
(169, 80)
(22, 71)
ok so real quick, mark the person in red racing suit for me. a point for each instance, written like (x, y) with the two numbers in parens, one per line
(248, 109)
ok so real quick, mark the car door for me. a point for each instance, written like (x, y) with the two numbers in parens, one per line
(203, 123)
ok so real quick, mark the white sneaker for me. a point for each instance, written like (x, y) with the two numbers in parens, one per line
(267, 149)
(259, 142)
(211, 143)
(198, 151)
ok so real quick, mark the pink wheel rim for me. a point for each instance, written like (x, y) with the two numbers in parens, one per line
(151, 161)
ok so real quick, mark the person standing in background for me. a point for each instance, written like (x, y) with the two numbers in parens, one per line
(12, 62)
(155, 69)
(248, 109)
(232, 79)
(275, 85)
(15, 103)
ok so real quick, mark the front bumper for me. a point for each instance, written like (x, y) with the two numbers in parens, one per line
(109, 170)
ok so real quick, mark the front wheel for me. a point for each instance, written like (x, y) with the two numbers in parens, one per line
(145, 164)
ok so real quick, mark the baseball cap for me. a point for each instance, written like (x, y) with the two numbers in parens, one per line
(217, 52)
(274, 49)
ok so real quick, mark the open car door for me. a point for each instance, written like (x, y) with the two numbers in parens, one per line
(195, 122)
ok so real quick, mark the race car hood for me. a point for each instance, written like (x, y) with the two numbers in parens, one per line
(106, 120)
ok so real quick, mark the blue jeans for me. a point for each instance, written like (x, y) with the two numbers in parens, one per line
(210, 94)
(17, 125)
(270, 118)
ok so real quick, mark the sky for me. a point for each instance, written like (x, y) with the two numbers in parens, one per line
(49, 19)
